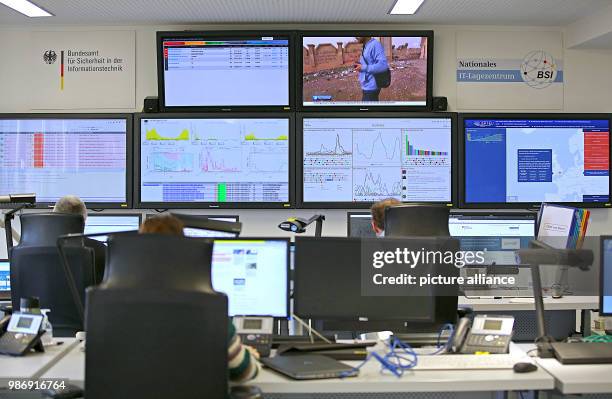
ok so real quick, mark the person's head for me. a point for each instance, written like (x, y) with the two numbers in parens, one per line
(363, 39)
(378, 214)
(164, 224)
(71, 204)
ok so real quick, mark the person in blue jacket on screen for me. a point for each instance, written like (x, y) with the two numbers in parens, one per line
(372, 61)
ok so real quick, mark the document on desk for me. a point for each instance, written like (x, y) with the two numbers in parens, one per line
(556, 225)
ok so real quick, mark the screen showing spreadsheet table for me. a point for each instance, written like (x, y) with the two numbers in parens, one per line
(214, 160)
(201, 71)
(370, 159)
(55, 157)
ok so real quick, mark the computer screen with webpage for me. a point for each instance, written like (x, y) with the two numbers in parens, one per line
(214, 160)
(537, 160)
(253, 273)
(52, 157)
(5, 277)
(369, 159)
(498, 235)
(200, 71)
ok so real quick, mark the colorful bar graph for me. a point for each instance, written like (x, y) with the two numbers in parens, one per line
(410, 150)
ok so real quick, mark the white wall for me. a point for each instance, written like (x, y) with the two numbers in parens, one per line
(587, 89)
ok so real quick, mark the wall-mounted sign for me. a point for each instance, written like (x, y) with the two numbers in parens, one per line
(81, 70)
(509, 70)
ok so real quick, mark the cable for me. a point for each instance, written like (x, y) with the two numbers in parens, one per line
(401, 356)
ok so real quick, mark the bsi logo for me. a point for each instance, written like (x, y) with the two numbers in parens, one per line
(50, 57)
(539, 69)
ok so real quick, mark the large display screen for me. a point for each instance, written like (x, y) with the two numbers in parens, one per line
(537, 160)
(214, 160)
(56, 157)
(352, 160)
(217, 71)
(381, 70)
(253, 273)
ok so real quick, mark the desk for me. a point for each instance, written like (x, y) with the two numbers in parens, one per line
(584, 304)
(502, 304)
(369, 384)
(33, 365)
(580, 378)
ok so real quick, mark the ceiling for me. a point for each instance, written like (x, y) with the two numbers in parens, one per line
(435, 12)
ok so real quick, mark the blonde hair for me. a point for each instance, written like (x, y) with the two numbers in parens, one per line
(378, 211)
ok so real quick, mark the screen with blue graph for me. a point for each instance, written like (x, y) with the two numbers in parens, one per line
(214, 160)
(540, 160)
(370, 159)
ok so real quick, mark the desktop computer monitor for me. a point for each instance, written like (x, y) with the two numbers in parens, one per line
(359, 224)
(328, 285)
(111, 223)
(254, 274)
(203, 226)
(497, 233)
(5, 279)
(418, 220)
(605, 290)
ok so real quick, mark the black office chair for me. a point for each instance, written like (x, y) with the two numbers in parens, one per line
(417, 220)
(37, 270)
(155, 327)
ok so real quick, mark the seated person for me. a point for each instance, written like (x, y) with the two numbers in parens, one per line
(242, 359)
(378, 215)
(73, 205)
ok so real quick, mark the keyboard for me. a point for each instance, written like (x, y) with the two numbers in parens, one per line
(465, 362)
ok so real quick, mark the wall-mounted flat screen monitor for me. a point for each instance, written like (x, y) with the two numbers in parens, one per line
(52, 155)
(224, 70)
(213, 161)
(366, 70)
(354, 160)
(526, 159)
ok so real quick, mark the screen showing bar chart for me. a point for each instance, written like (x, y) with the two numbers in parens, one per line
(214, 160)
(368, 159)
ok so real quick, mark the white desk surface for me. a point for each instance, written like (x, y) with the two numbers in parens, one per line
(33, 365)
(71, 367)
(565, 303)
(579, 378)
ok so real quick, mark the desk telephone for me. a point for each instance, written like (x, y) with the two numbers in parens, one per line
(20, 333)
(256, 332)
(486, 333)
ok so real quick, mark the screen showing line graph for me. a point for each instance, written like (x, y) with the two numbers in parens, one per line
(214, 160)
(369, 159)
(52, 157)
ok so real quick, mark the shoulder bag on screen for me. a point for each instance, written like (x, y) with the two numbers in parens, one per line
(383, 79)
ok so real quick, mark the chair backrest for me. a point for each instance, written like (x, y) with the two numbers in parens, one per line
(38, 271)
(43, 229)
(36, 267)
(155, 327)
(417, 220)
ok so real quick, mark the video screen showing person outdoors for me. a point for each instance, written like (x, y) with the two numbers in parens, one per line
(380, 70)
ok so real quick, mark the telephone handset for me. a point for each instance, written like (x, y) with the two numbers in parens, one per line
(485, 333)
(20, 333)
